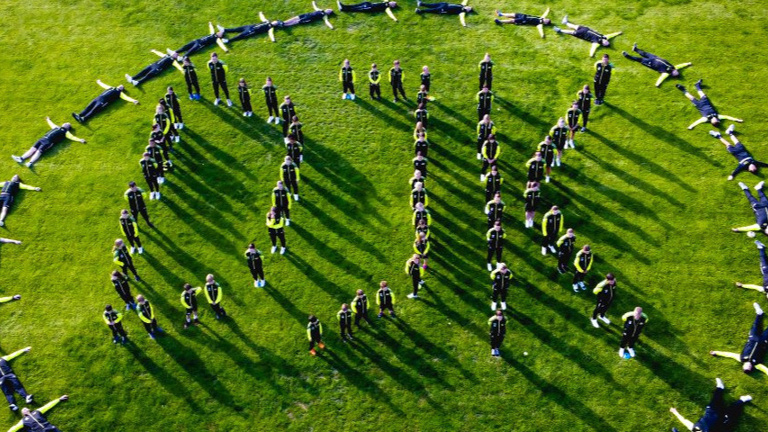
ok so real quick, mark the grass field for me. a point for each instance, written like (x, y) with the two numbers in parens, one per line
(647, 194)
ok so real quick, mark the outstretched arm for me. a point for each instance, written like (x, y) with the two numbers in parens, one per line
(594, 48)
(727, 117)
(12, 356)
(726, 354)
(698, 122)
(688, 424)
(754, 227)
(127, 98)
(762, 368)
(751, 286)
(104, 86)
(661, 79)
(10, 298)
(43, 409)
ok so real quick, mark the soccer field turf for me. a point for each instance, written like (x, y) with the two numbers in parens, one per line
(649, 196)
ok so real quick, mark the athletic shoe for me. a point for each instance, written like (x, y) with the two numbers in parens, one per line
(321, 345)
(575, 288)
(698, 83)
(221, 29)
(412, 296)
(497, 21)
(482, 178)
(631, 352)
(421, 282)
(758, 310)
(186, 325)
(503, 306)
(583, 286)
(625, 54)
(338, 5)
(546, 179)
(352, 96)
(759, 185)
(28, 164)
(344, 96)
(274, 248)
(287, 222)
(312, 352)
(715, 134)
(229, 102)
(128, 78)
(583, 128)
(605, 320)
(263, 282)
(197, 96)
(745, 398)
(128, 307)
(17, 158)
(269, 120)
(544, 250)
(137, 278)
(392, 315)
(124, 340)
(381, 314)
(719, 383)
(490, 267)
(681, 88)
(557, 29)
(493, 306)
(217, 101)
(621, 352)
(594, 323)
(256, 284)
(245, 114)
(2, 223)
(282, 251)
(114, 341)
(552, 249)
(730, 129)
(479, 156)
(77, 117)
(152, 336)
(759, 244)
(157, 195)
(133, 250)
(191, 97)
(29, 399)
(13, 407)
(295, 197)
(743, 186)
(141, 250)
(565, 19)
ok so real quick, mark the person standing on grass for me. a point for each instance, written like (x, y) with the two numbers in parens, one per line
(603, 70)
(347, 77)
(123, 289)
(295, 129)
(102, 101)
(165, 120)
(634, 323)
(374, 82)
(565, 246)
(486, 72)
(147, 316)
(420, 164)
(494, 209)
(156, 153)
(190, 77)
(605, 292)
(130, 231)
(54, 136)
(385, 298)
(573, 114)
(288, 112)
(501, 278)
(345, 323)
(583, 263)
(415, 271)
(290, 175)
(498, 324)
(421, 247)
(422, 228)
(426, 78)
(8, 193)
(214, 295)
(422, 97)
(717, 417)
(490, 151)
(532, 196)
(114, 319)
(536, 167)
(419, 195)
(753, 354)
(421, 145)
(551, 226)
(281, 200)
(360, 307)
(396, 81)
(419, 214)
(149, 168)
(270, 97)
(175, 137)
(122, 258)
(10, 382)
(172, 101)
(422, 115)
(255, 265)
(275, 226)
(547, 150)
(315, 334)
(294, 150)
(484, 100)
(189, 301)
(136, 202)
(493, 183)
(245, 97)
(495, 237)
(584, 102)
(559, 134)
(219, 78)
(420, 129)
(485, 128)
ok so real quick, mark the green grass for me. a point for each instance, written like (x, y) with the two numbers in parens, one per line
(648, 195)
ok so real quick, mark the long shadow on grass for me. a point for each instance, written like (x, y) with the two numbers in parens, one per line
(329, 254)
(262, 133)
(663, 136)
(207, 210)
(348, 207)
(287, 304)
(379, 114)
(557, 395)
(455, 114)
(165, 379)
(318, 278)
(522, 115)
(215, 238)
(359, 379)
(195, 367)
(221, 155)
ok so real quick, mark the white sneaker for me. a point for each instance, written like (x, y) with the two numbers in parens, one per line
(282, 251)
(479, 156)
(719, 383)
(161, 180)
(157, 195)
(17, 158)
(28, 164)
(177, 138)
(715, 134)
(552, 249)
(256, 284)
(503, 306)
(295, 197)
(565, 19)
(221, 29)
(287, 222)
(151, 196)
(745, 398)
(575, 288)
(129, 78)
(29, 399)
(269, 120)
(546, 179)
(229, 102)
(262, 283)
(493, 306)
(245, 114)
(344, 96)
(490, 267)
(181, 126)
(605, 320)
(743, 186)
(594, 323)
(412, 296)
(352, 96)
(759, 185)
(217, 101)
(730, 129)
(543, 250)
(274, 248)
(758, 309)
(141, 250)
(557, 161)
(133, 250)
(277, 120)
(621, 352)
(631, 352)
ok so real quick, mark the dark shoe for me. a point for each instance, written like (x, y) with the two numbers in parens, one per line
(137, 278)
(680, 87)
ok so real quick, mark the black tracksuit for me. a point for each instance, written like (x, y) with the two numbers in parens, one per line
(100, 103)
(116, 328)
(345, 323)
(602, 78)
(153, 70)
(500, 285)
(172, 101)
(347, 76)
(486, 75)
(498, 331)
(270, 97)
(245, 98)
(287, 111)
(632, 329)
(492, 185)
(248, 30)
(495, 212)
(136, 204)
(565, 248)
(123, 289)
(396, 80)
(360, 308)
(484, 103)
(149, 170)
(289, 174)
(218, 78)
(495, 244)
(605, 296)
(584, 100)
(255, 264)
(190, 76)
